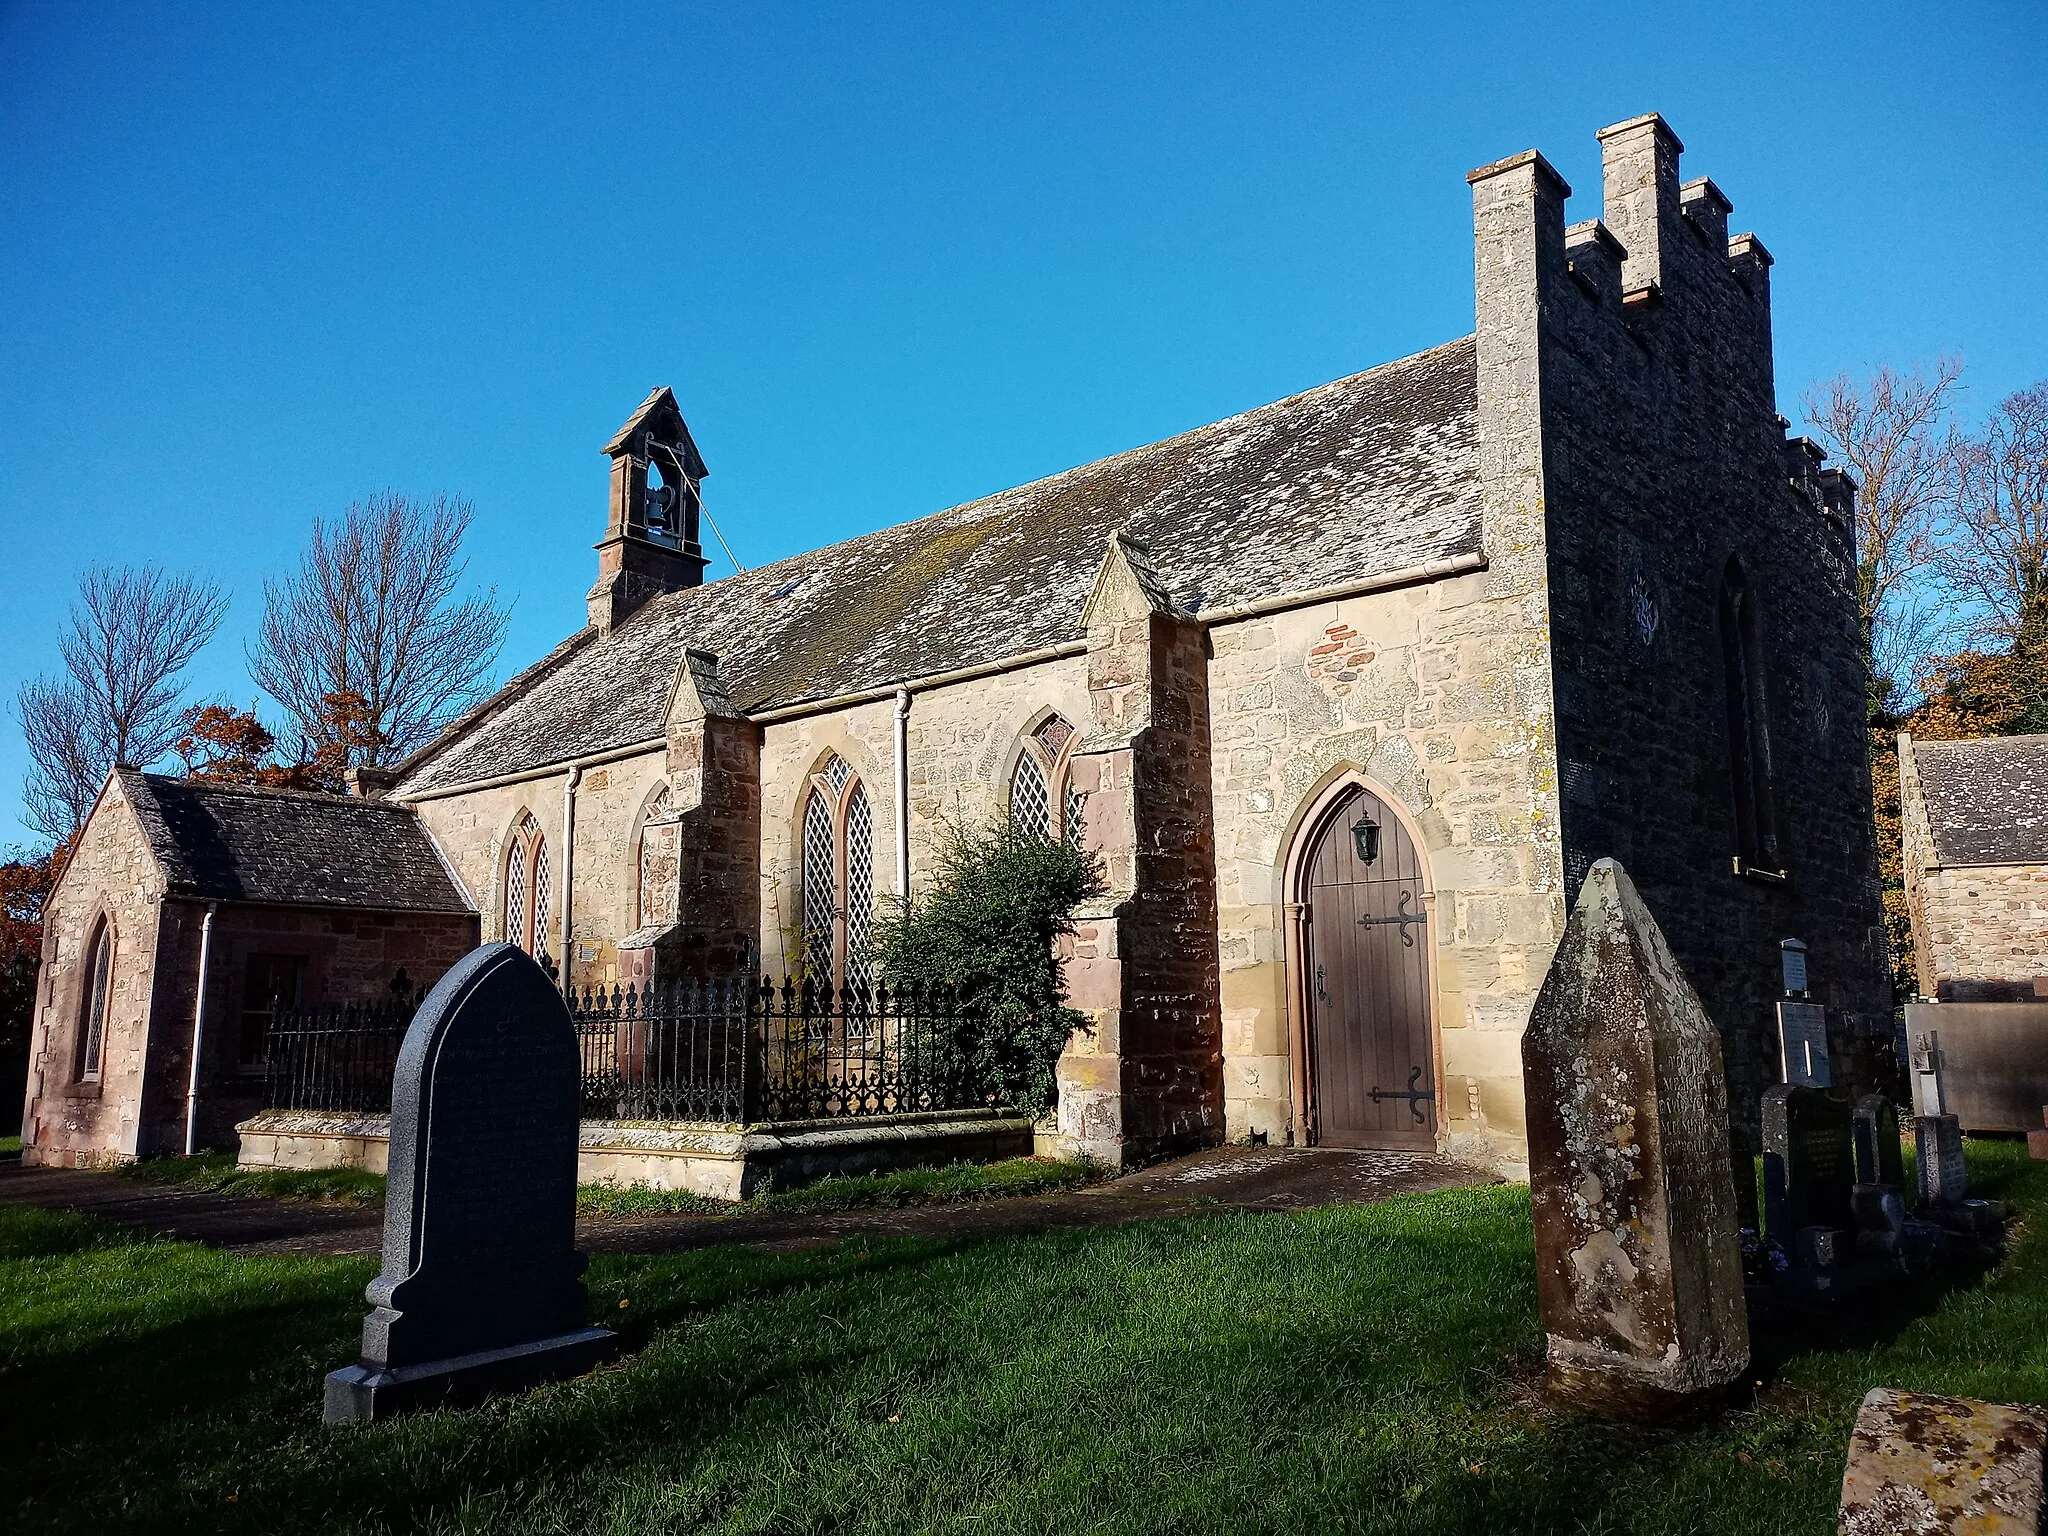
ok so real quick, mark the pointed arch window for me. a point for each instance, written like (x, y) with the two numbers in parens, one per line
(93, 1003)
(1043, 799)
(838, 876)
(1758, 846)
(528, 888)
(658, 862)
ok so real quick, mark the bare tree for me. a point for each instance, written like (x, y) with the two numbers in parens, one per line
(1998, 557)
(132, 632)
(1893, 432)
(64, 769)
(372, 612)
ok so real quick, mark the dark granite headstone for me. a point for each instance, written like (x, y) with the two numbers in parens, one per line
(1809, 1166)
(481, 1290)
(1639, 1273)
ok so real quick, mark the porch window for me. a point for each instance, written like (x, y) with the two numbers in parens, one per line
(527, 889)
(1043, 799)
(838, 877)
(92, 1021)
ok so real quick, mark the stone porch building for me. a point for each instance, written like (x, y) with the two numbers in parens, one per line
(1974, 825)
(1348, 692)
(181, 890)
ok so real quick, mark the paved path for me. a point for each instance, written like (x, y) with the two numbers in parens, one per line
(1240, 1178)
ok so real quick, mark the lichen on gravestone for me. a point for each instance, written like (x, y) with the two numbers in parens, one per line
(1639, 1276)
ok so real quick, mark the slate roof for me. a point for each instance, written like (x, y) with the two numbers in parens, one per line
(1987, 799)
(1371, 474)
(230, 843)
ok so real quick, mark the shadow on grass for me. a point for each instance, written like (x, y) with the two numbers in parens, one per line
(1355, 1368)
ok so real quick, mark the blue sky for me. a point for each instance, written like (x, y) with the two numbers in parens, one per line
(258, 261)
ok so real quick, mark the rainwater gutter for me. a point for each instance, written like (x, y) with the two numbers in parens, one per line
(198, 1032)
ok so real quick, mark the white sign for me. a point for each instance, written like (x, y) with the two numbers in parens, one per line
(1803, 1043)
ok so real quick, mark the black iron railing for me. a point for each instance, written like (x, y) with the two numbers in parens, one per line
(334, 1059)
(719, 1052)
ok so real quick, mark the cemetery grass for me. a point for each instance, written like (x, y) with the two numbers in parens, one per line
(216, 1173)
(1352, 1368)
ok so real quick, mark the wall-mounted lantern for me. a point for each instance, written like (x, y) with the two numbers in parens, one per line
(1365, 837)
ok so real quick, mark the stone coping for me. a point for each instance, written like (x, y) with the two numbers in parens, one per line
(683, 1137)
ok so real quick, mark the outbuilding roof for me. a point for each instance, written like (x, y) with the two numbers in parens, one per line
(1987, 798)
(225, 842)
(1370, 475)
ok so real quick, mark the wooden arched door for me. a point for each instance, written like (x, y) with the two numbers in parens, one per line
(1365, 945)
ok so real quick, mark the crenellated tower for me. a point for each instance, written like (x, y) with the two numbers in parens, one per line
(1697, 576)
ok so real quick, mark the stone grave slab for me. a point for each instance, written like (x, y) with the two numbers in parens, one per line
(1938, 1145)
(1809, 1167)
(1639, 1276)
(1921, 1465)
(481, 1289)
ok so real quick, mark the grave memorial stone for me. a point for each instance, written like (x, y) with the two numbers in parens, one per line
(1809, 1170)
(1802, 1026)
(481, 1290)
(1878, 1198)
(1639, 1277)
(1937, 1134)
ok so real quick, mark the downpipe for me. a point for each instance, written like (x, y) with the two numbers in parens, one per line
(198, 1032)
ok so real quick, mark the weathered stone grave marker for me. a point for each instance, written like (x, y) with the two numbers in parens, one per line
(1878, 1199)
(1809, 1171)
(1937, 1134)
(481, 1290)
(1639, 1277)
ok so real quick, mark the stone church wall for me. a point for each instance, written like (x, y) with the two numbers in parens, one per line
(963, 741)
(1663, 456)
(111, 875)
(1446, 715)
(473, 828)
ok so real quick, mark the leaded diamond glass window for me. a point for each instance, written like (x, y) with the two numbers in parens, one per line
(515, 892)
(1029, 807)
(860, 884)
(820, 889)
(1070, 813)
(541, 891)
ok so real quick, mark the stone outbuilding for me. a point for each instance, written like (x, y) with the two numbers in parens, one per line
(1974, 834)
(180, 891)
(1348, 692)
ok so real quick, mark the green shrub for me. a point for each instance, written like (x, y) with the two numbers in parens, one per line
(986, 928)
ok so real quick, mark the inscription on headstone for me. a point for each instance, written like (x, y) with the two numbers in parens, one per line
(481, 1289)
(1803, 1044)
(1808, 1162)
(1792, 960)
(1639, 1276)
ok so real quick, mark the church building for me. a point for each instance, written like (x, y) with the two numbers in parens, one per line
(1346, 692)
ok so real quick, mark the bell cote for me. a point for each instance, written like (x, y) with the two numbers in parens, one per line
(650, 538)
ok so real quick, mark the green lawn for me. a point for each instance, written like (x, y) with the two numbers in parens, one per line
(216, 1172)
(1357, 1368)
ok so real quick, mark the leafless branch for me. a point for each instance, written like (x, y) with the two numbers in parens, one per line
(1998, 559)
(66, 767)
(133, 631)
(372, 611)
(1894, 433)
